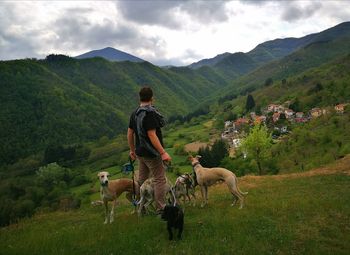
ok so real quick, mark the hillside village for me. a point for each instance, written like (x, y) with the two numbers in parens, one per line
(279, 118)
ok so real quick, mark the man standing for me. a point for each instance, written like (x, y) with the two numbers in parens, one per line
(145, 129)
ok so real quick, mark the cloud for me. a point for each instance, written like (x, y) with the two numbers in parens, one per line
(294, 10)
(150, 12)
(163, 32)
(118, 34)
(16, 41)
(170, 13)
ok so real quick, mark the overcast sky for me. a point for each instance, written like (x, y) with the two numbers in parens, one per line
(164, 32)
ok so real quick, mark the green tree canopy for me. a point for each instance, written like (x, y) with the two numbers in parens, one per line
(250, 103)
(257, 144)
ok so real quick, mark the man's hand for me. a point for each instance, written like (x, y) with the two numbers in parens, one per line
(132, 155)
(165, 156)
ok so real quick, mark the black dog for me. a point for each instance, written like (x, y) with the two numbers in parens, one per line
(175, 219)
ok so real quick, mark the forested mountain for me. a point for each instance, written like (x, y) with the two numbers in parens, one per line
(61, 100)
(312, 55)
(266, 52)
(110, 54)
(209, 61)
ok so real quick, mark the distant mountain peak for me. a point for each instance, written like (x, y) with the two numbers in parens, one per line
(110, 54)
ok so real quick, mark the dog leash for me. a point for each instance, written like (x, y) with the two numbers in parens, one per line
(126, 169)
(131, 166)
(167, 165)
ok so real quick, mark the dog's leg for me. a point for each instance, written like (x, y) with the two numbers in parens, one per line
(234, 199)
(194, 198)
(203, 195)
(170, 231)
(141, 204)
(181, 228)
(129, 197)
(149, 203)
(105, 202)
(206, 194)
(232, 186)
(188, 195)
(112, 210)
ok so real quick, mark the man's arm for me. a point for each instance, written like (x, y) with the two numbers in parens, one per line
(131, 143)
(157, 145)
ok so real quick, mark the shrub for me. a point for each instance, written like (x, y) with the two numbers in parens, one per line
(179, 149)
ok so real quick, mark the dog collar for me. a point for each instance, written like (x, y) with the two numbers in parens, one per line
(195, 164)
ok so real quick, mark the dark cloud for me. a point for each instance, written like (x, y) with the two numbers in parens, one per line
(150, 12)
(163, 12)
(255, 2)
(293, 11)
(206, 11)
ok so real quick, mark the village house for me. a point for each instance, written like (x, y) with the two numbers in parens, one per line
(299, 115)
(236, 142)
(339, 108)
(300, 120)
(315, 112)
(241, 121)
(228, 123)
(275, 108)
(260, 119)
(276, 116)
(289, 113)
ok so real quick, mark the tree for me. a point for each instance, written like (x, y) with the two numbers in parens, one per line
(250, 103)
(295, 106)
(268, 82)
(257, 144)
(218, 152)
(50, 175)
(212, 157)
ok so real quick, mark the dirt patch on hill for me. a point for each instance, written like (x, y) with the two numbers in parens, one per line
(341, 166)
(195, 146)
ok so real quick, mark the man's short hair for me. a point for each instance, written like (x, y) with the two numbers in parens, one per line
(146, 94)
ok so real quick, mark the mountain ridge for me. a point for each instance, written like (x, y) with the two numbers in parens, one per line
(271, 50)
(110, 54)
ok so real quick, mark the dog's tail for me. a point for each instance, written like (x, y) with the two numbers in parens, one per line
(173, 193)
(243, 193)
(240, 191)
(141, 200)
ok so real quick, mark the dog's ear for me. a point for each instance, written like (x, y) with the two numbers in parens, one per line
(198, 156)
(190, 157)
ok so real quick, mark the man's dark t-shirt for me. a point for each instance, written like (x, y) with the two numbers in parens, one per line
(150, 121)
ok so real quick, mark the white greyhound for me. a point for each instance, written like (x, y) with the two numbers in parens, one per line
(209, 176)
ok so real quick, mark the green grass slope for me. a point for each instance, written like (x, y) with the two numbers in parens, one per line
(285, 214)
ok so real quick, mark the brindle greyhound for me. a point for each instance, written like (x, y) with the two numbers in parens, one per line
(209, 176)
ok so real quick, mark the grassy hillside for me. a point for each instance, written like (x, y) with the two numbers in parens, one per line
(288, 214)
